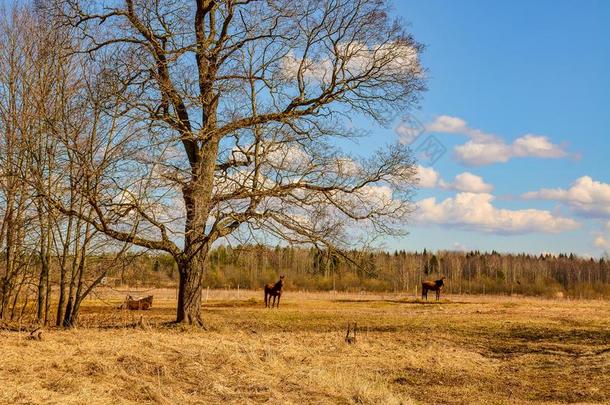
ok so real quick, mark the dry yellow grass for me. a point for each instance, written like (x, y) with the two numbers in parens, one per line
(464, 350)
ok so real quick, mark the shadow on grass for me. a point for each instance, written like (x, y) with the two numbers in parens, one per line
(416, 301)
(250, 303)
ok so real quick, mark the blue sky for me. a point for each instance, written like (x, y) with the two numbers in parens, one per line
(519, 95)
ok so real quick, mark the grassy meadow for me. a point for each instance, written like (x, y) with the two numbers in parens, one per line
(461, 350)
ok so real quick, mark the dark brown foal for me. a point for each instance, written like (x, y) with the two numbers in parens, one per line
(274, 290)
(432, 285)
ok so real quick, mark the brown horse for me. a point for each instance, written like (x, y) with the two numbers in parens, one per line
(432, 285)
(274, 290)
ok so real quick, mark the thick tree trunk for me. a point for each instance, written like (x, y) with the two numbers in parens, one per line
(189, 291)
(191, 265)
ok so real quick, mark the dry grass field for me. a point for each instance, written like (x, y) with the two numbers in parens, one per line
(463, 350)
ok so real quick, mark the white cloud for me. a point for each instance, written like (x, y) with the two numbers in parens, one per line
(474, 153)
(496, 150)
(376, 196)
(428, 177)
(602, 243)
(467, 182)
(393, 58)
(537, 146)
(312, 69)
(459, 247)
(455, 125)
(288, 157)
(585, 195)
(447, 123)
(485, 148)
(372, 198)
(475, 212)
(347, 166)
(381, 195)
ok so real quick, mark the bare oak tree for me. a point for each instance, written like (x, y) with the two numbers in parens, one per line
(226, 116)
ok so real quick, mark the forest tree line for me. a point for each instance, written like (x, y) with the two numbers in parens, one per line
(68, 279)
(252, 266)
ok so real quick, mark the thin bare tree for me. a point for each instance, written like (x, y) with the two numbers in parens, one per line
(45, 115)
(18, 238)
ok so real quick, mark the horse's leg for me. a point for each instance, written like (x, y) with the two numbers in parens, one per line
(278, 299)
(274, 297)
(266, 299)
(438, 294)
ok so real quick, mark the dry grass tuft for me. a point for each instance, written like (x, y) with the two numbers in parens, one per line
(461, 351)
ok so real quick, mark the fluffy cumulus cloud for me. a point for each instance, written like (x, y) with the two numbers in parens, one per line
(428, 177)
(585, 195)
(485, 148)
(455, 125)
(475, 211)
(466, 182)
(496, 150)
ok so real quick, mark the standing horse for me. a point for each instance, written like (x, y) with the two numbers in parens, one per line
(432, 285)
(274, 290)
